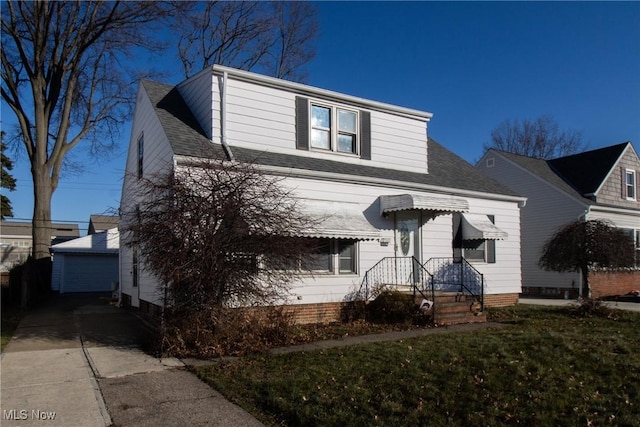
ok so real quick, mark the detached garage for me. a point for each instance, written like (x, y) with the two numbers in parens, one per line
(86, 264)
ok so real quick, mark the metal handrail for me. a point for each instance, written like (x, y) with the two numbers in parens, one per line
(457, 274)
(395, 273)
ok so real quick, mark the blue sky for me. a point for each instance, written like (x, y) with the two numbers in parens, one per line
(472, 64)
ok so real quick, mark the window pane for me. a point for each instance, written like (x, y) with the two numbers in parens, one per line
(347, 257)
(320, 139)
(320, 259)
(347, 143)
(631, 187)
(321, 117)
(347, 121)
(474, 250)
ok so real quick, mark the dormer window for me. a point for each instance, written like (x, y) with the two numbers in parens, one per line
(324, 126)
(630, 184)
(334, 129)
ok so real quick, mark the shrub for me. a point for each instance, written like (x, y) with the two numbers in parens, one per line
(225, 331)
(592, 307)
(391, 307)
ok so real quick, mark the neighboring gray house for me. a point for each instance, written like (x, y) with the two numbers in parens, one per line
(86, 264)
(16, 240)
(387, 191)
(597, 184)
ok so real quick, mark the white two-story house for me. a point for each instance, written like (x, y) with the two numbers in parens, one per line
(387, 191)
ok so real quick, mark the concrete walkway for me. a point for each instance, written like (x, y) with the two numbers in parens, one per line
(77, 361)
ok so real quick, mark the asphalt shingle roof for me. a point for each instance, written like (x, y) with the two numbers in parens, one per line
(579, 174)
(187, 138)
(586, 171)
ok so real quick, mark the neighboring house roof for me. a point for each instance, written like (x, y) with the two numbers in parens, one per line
(187, 138)
(104, 242)
(580, 175)
(98, 223)
(542, 169)
(586, 171)
(18, 229)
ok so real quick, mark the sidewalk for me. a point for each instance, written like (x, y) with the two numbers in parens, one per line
(76, 361)
(629, 306)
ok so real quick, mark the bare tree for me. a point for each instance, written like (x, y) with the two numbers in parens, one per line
(64, 77)
(583, 245)
(218, 234)
(274, 38)
(540, 138)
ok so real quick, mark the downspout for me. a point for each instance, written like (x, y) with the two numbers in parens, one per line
(223, 117)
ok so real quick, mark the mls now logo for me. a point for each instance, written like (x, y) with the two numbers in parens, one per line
(14, 414)
(23, 414)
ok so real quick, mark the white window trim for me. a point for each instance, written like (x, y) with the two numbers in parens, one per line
(631, 172)
(333, 130)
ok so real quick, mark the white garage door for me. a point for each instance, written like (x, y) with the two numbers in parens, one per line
(89, 273)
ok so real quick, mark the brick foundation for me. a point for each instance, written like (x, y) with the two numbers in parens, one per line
(613, 283)
(317, 313)
(500, 300)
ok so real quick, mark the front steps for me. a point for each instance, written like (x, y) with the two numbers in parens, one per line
(451, 308)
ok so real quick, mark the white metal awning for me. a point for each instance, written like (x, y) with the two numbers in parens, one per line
(337, 220)
(476, 226)
(425, 202)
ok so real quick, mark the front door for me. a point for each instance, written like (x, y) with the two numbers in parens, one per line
(407, 245)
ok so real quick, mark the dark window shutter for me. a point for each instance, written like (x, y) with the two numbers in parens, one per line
(491, 251)
(457, 236)
(365, 135)
(302, 123)
(491, 245)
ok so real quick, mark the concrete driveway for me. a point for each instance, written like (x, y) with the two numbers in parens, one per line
(77, 361)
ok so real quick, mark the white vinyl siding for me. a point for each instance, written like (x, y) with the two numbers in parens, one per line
(158, 158)
(263, 118)
(198, 94)
(547, 210)
(502, 277)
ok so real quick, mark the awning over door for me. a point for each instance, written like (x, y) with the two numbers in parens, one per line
(476, 226)
(425, 202)
(338, 221)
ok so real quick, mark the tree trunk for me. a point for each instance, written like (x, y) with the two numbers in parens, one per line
(586, 289)
(41, 212)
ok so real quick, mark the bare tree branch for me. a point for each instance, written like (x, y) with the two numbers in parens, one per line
(540, 138)
(274, 38)
(219, 234)
(59, 79)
